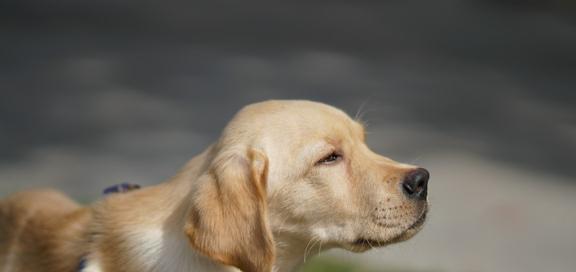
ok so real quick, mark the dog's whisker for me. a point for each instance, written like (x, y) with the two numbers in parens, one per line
(368, 241)
(311, 242)
(360, 112)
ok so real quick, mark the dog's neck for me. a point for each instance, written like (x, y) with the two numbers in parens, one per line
(291, 252)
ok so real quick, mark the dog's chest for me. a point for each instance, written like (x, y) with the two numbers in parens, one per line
(153, 250)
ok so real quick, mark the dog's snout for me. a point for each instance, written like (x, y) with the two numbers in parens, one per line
(415, 184)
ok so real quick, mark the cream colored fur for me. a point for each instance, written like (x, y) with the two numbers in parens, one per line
(260, 199)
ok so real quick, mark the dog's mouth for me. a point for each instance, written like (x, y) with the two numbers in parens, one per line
(365, 243)
(418, 223)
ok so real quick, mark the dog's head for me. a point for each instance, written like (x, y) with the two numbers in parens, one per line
(300, 170)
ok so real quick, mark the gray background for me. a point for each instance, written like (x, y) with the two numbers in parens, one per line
(480, 92)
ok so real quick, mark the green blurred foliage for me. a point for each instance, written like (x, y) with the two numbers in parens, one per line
(332, 265)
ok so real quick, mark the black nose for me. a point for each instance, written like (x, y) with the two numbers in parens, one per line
(415, 184)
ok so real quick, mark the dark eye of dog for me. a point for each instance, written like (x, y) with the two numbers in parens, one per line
(330, 159)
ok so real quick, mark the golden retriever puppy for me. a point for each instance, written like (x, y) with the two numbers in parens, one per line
(284, 177)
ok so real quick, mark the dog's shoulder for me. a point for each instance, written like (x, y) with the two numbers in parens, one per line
(134, 231)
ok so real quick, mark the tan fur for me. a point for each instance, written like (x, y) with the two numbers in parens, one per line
(257, 200)
(41, 231)
(228, 213)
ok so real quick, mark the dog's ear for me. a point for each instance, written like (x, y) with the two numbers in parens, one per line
(227, 220)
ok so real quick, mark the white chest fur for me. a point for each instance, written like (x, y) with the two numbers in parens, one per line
(153, 250)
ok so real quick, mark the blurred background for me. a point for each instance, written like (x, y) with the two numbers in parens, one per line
(480, 92)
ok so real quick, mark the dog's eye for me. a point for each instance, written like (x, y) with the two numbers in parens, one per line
(330, 159)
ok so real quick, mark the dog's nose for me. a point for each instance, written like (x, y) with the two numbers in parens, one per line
(415, 184)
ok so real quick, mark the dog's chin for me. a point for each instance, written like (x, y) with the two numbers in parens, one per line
(411, 230)
(364, 244)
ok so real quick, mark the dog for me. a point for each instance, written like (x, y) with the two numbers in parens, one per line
(286, 178)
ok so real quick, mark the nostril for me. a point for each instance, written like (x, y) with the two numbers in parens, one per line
(408, 188)
(415, 183)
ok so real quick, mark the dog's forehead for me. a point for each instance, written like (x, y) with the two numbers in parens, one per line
(319, 118)
(296, 112)
(293, 123)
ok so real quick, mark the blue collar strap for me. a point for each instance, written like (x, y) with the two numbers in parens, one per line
(120, 188)
(82, 264)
